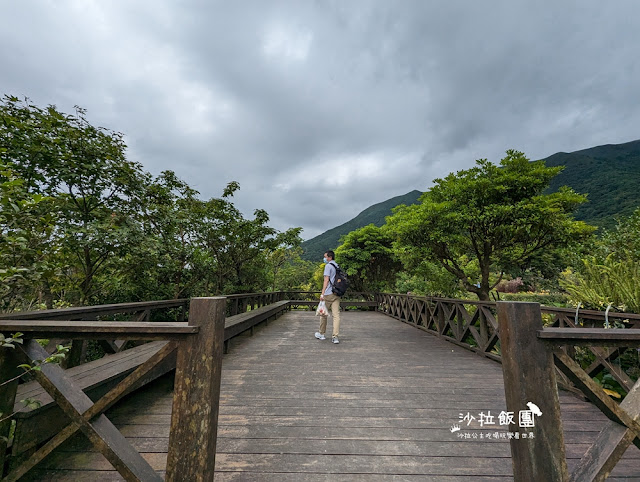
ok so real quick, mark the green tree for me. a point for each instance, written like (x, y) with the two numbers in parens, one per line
(425, 277)
(288, 270)
(623, 241)
(611, 275)
(490, 219)
(84, 167)
(166, 261)
(317, 277)
(81, 221)
(27, 242)
(367, 256)
(238, 246)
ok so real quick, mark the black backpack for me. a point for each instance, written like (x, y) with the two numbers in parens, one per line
(341, 282)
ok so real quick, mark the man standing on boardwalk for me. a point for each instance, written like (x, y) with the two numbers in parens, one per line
(330, 298)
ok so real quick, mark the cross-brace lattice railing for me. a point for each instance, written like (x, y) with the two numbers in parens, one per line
(530, 354)
(198, 344)
(473, 325)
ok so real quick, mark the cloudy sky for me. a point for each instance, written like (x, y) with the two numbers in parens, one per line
(321, 108)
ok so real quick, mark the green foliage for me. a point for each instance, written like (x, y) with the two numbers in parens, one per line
(84, 169)
(31, 403)
(545, 299)
(56, 357)
(367, 256)
(623, 241)
(600, 283)
(82, 224)
(288, 271)
(489, 219)
(611, 275)
(11, 341)
(27, 226)
(36, 365)
(608, 174)
(610, 385)
(314, 248)
(440, 283)
(421, 276)
(317, 278)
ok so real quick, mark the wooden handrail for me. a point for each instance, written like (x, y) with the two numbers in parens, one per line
(473, 325)
(591, 336)
(199, 345)
(525, 351)
(92, 330)
(78, 312)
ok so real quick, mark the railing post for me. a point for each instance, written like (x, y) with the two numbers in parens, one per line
(196, 396)
(529, 376)
(182, 312)
(9, 372)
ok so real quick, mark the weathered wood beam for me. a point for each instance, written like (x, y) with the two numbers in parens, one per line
(601, 457)
(196, 396)
(529, 376)
(94, 330)
(135, 379)
(591, 336)
(616, 371)
(593, 392)
(77, 354)
(109, 346)
(91, 311)
(100, 431)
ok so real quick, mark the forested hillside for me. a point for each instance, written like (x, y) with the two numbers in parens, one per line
(608, 174)
(314, 248)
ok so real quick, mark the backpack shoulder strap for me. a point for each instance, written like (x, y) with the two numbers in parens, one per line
(335, 266)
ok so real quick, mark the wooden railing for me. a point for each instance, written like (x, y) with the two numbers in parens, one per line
(513, 333)
(241, 303)
(470, 324)
(474, 326)
(127, 327)
(530, 354)
(193, 425)
(351, 299)
(486, 328)
(173, 310)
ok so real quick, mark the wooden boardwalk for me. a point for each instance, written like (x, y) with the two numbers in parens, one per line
(379, 406)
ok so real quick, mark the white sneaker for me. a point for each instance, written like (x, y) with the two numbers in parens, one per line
(335, 340)
(320, 336)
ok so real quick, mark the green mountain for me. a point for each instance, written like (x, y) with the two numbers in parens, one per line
(609, 175)
(314, 248)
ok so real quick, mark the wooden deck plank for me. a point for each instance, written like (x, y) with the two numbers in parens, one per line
(376, 407)
(340, 446)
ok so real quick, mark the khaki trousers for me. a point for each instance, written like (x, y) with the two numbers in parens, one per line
(333, 301)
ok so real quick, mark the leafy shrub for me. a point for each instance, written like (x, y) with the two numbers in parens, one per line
(599, 284)
(509, 286)
(546, 299)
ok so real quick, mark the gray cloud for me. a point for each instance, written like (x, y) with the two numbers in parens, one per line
(322, 108)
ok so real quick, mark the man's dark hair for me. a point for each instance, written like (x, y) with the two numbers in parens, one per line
(330, 254)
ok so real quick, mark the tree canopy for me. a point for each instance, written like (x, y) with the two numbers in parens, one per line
(490, 219)
(610, 275)
(368, 257)
(82, 224)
